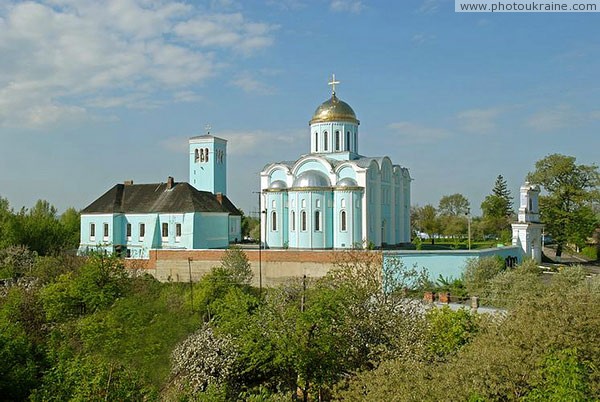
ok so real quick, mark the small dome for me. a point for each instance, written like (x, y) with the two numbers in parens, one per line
(347, 182)
(334, 110)
(312, 178)
(278, 184)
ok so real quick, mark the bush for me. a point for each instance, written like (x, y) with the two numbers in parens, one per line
(478, 273)
(590, 252)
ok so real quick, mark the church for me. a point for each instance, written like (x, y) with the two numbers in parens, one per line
(334, 197)
(131, 219)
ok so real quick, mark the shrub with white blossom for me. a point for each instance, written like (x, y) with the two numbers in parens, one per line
(202, 359)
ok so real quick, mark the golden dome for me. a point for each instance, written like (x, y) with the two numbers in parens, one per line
(334, 110)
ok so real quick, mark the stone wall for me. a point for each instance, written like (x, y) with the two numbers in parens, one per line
(274, 266)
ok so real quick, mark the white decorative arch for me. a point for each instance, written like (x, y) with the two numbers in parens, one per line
(313, 162)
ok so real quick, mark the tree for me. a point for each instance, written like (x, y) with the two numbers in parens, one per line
(501, 191)
(566, 208)
(453, 205)
(248, 225)
(202, 359)
(70, 221)
(497, 208)
(235, 265)
(452, 210)
(428, 221)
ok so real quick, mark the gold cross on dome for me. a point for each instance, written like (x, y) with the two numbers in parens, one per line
(332, 83)
(207, 128)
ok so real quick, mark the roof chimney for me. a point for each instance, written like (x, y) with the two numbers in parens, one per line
(128, 182)
(170, 183)
(219, 198)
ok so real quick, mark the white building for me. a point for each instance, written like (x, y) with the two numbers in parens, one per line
(333, 197)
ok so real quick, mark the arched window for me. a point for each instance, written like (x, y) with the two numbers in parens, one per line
(293, 219)
(201, 155)
(196, 155)
(316, 142)
(317, 220)
(206, 156)
(303, 221)
(343, 203)
(325, 139)
(347, 140)
(318, 203)
(355, 141)
(337, 140)
(274, 221)
(343, 221)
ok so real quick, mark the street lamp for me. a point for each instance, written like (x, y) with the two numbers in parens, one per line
(468, 213)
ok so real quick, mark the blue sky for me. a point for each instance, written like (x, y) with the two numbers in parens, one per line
(94, 93)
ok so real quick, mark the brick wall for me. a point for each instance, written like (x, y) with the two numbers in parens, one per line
(275, 266)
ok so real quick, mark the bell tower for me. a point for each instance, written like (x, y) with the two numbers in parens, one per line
(208, 163)
(527, 232)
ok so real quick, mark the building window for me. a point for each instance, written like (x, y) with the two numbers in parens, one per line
(303, 203)
(128, 253)
(206, 156)
(128, 231)
(177, 231)
(318, 221)
(303, 221)
(343, 221)
(273, 204)
(293, 219)
(325, 139)
(337, 140)
(201, 155)
(106, 231)
(347, 140)
(316, 142)
(165, 230)
(343, 203)
(92, 231)
(142, 231)
(274, 221)
(355, 141)
(318, 203)
(196, 155)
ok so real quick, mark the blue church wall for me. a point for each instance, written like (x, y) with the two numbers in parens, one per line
(346, 171)
(276, 219)
(279, 174)
(323, 137)
(347, 201)
(235, 228)
(312, 165)
(449, 264)
(211, 230)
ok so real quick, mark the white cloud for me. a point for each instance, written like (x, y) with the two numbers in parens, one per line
(479, 120)
(351, 6)
(420, 38)
(418, 134)
(249, 143)
(67, 57)
(250, 84)
(226, 30)
(555, 118)
(430, 6)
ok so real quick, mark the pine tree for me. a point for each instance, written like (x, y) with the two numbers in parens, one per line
(501, 191)
(497, 208)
